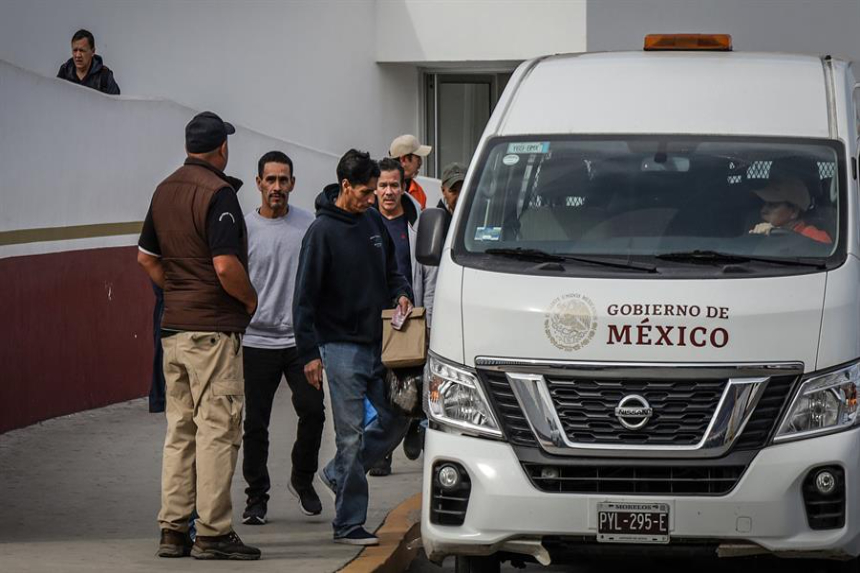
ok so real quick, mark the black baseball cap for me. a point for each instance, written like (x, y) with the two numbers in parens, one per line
(206, 132)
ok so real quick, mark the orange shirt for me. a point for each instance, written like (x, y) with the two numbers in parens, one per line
(417, 192)
(812, 232)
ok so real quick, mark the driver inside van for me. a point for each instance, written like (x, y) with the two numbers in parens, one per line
(785, 202)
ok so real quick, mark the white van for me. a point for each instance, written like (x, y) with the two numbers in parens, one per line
(646, 332)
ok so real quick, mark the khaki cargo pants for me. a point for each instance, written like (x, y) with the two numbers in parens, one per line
(205, 390)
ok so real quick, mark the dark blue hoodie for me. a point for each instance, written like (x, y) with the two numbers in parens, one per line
(347, 276)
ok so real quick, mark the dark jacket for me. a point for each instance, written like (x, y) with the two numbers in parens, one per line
(99, 77)
(423, 279)
(444, 206)
(194, 299)
(347, 276)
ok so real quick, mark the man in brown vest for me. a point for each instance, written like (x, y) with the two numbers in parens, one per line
(194, 245)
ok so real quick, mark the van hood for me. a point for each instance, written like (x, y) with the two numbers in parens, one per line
(773, 319)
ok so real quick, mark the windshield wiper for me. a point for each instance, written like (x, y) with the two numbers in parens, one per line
(526, 254)
(716, 257)
(540, 256)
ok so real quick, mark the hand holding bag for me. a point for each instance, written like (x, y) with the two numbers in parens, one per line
(407, 346)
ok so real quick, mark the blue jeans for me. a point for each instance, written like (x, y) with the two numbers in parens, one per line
(355, 371)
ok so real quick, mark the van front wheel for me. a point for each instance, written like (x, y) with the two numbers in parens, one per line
(473, 564)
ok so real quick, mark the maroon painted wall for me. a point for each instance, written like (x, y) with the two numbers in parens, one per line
(76, 333)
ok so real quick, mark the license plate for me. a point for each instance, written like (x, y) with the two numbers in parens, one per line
(633, 522)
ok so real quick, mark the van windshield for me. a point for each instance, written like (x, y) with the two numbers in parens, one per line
(668, 200)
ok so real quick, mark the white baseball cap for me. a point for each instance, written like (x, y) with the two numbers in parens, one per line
(790, 190)
(408, 145)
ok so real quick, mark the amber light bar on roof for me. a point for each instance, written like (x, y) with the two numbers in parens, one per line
(706, 42)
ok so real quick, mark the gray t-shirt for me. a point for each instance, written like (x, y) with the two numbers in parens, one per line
(273, 261)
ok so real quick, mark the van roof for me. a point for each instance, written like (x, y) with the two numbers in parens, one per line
(720, 93)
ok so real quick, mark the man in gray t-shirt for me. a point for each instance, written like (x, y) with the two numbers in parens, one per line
(275, 233)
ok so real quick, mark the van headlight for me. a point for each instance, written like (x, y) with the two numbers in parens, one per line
(454, 397)
(823, 404)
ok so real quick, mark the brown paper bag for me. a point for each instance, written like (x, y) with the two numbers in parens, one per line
(407, 346)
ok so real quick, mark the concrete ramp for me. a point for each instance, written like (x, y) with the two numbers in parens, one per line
(79, 168)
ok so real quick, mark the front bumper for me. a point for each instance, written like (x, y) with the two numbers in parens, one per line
(765, 508)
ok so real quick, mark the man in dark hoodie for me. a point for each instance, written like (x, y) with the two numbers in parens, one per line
(347, 276)
(86, 68)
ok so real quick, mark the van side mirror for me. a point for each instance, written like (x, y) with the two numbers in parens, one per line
(432, 230)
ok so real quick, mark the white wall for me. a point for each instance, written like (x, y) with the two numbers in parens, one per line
(804, 26)
(301, 71)
(462, 30)
(72, 156)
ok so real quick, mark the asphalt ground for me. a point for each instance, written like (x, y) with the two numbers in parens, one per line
(638, 565)
(81, 494)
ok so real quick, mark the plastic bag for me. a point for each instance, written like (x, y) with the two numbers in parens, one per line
(370, 413)
(404, 390)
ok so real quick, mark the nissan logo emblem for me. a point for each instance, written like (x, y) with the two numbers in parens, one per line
(633, 412)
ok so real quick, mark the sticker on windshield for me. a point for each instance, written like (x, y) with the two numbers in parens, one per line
(529, 147)
(488, 233)
(511, 159)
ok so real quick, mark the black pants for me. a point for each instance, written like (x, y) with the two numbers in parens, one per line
(157, 398)
(263, 370)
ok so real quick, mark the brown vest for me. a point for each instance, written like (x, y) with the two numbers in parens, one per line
(194, 299)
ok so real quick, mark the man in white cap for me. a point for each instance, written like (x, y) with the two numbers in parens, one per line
(785, 202)
(410, 153)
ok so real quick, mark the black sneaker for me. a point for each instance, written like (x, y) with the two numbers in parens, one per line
(227, 546)
(381, 468)
(309, 501)
(358, 536)
(413, 443)
(174, 544)
(255, 512)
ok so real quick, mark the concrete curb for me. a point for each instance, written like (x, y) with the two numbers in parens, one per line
(396, 549)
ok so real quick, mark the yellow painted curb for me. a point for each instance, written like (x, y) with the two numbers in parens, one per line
(393, 554)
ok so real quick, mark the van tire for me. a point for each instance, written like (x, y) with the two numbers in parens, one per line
(473, 564)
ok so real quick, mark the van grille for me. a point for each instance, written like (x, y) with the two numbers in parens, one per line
(766, 414)
(613, 479)
(514, 423)
(682, 410)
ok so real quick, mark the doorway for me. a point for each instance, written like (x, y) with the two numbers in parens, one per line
(458, 107)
